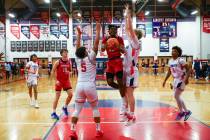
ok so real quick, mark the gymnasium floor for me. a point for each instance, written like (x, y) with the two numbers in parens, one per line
(156, 110)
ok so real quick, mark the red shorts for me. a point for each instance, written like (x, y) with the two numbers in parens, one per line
(65, 85)
(114, 66)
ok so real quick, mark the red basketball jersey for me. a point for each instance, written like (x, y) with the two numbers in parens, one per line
(63, 70)
(113, 52)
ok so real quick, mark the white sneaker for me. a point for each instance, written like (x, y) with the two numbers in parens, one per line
(123, 118)
(36, 105)
(31, 103)
(131, 120)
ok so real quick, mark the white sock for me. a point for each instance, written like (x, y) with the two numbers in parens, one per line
(98, 126)
(131, 113)
(73, 127)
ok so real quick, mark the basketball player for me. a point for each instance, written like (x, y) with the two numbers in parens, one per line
(180, 72)
(131, 73)
(32, 69)
(86, 86)
(115, 64)
(61, 70)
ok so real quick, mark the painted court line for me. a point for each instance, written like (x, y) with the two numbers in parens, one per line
(140, 122)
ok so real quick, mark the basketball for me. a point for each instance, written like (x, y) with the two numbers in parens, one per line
(112, 42)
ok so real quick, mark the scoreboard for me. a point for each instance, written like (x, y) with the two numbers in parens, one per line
(164, 27)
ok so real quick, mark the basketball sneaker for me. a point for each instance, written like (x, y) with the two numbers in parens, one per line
(36, 104)
(65, 111)
(123, 117)
(187, 115)
(73, 135)
(180, 115)
(54, 116)
(31, 102)
(99, 133)
(131, 120)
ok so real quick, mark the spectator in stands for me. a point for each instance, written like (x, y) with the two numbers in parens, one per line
(155, 67)
(197, 67)
(8, 70)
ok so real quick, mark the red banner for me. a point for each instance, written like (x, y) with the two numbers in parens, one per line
(35, 30)
(206, 24)
(15, 30)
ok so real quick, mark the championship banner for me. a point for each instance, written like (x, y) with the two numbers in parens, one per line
(35, 46)
(58, 45)
(96, 15)
(64, 44)
(47, 45)
(13, 46)
(164, 44)
(35, 30)
(52, 45)
(30, 46)
(86, 14)
(26, 31)
(206, 24)
(142, 27)
(41, 46)
(54, 30)
(24, 46)
(64, 18)
(44, 30)
(64, 29)
(2, 29)
(86, 30)
(108, 16)
(18, 46)
(117, 16)
(15, 30)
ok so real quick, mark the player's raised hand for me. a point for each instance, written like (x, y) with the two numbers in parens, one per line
(79, 32)
(98, 26)
(126, 9)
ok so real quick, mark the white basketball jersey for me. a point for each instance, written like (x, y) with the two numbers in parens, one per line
(87, 68)
(132, 51)
(177, 68)
(33, 67)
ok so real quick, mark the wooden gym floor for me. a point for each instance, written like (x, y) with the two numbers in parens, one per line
(156, 109)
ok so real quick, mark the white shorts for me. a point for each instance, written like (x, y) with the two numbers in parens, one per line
(31, 81)
(131, 80)
(178, 84)
(86, 90)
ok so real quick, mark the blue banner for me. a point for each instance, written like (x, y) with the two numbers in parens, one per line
(54, 30)
(164, 44)
(26, 31)
(64, 29)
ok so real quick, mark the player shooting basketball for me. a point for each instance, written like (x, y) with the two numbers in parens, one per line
(114, 46)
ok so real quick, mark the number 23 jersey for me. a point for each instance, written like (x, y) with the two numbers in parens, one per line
(87, 68)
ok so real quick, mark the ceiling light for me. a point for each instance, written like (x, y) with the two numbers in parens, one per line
(11, 15)
(147, 13)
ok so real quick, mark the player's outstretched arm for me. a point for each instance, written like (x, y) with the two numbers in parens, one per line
(129, 29)
(79, 33)
(96, 43)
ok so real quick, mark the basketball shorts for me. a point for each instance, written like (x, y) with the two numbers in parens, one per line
(31, 81)
(114, 66)
(178, 84)
(131, 80)
(65, 85)
(86, 91)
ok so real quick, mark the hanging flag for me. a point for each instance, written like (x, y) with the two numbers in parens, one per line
(54, 30)
(26, 31)
(35, 30)
(15, 30)
(64, 29)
